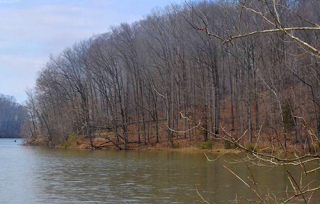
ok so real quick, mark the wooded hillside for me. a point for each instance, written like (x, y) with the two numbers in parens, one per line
(12, 116)
(205, 69)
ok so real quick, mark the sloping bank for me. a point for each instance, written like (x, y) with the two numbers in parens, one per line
(104, 144)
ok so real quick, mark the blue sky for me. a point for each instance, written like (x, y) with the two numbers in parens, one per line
(31, 30)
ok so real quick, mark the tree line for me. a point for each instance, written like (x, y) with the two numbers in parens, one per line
(171, 76)
(12, 116)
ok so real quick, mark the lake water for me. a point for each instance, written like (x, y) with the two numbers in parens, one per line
(42, 175)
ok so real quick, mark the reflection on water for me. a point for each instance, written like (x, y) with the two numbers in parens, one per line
(40, 175)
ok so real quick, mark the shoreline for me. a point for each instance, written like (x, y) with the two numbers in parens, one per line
(177, 145)
(100, 145)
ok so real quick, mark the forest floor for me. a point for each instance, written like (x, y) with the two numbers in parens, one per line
(100, 143)
(193, 141)
(180, 144)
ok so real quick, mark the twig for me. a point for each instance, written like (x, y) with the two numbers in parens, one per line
(254, 181)
(297, 186)
(252, 189)
(215, 158)
(202, 197)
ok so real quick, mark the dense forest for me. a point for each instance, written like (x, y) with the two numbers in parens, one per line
(188, 72)
(12, 116)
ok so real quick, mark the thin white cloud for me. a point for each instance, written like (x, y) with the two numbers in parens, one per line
(16, 73)
(29, 35)
(32, 30)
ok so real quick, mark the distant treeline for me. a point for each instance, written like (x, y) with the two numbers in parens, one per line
(12, 116)
(171, 66)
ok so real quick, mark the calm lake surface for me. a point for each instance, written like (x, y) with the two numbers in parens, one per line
(41, 175)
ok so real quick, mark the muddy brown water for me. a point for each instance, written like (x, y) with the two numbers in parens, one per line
(42, 175)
